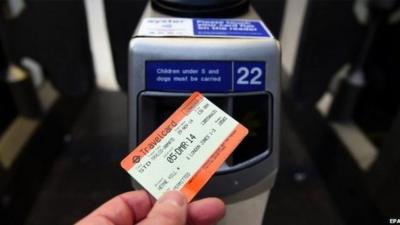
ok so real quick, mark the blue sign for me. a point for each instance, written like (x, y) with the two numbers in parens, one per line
(226, 27)
(249, 76)
(205, 76)
(208, 76)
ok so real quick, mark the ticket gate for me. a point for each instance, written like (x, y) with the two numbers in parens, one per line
(233, 60)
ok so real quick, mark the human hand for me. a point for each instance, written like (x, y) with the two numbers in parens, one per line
(138, 208)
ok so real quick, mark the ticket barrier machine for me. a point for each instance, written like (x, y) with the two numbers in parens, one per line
(235, 62)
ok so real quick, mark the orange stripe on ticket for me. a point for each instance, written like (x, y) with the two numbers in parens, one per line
(150, 142)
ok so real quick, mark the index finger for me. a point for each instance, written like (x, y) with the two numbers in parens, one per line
(124, 209)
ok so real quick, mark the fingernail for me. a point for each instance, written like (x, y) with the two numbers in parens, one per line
(172, 197)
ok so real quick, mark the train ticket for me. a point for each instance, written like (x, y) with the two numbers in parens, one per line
(186, 150)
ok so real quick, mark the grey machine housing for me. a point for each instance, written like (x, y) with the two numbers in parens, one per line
(236, 181)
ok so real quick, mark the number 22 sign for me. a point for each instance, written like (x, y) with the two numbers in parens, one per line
(249, 76)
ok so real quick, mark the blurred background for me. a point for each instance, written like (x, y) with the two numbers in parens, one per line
(63, 109)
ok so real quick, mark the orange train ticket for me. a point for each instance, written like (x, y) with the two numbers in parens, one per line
(186, 150)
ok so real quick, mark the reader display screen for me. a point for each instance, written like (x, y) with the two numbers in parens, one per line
(205, 76)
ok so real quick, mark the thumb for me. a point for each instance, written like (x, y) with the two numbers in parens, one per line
(170, 209)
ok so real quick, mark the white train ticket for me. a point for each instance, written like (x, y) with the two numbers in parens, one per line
(186, 150)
